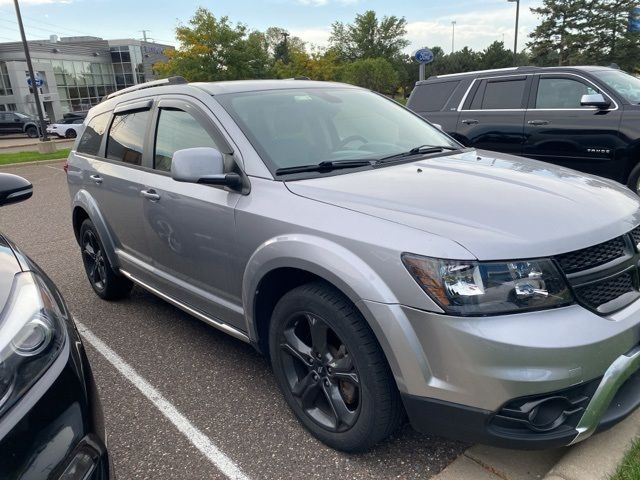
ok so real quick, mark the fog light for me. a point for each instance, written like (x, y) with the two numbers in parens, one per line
(550, 413)
(80, 468)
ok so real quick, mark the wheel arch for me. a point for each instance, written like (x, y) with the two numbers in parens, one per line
(84, 207)
(284, 263)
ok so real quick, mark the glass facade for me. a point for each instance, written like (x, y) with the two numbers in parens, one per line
(5, 84)
(127, 65)
(81, 85)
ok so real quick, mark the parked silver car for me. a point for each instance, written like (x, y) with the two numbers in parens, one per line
(383, 268)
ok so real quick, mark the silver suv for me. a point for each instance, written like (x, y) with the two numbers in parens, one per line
(385, 269)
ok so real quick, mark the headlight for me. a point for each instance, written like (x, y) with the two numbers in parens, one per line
(489, 288)
(32, 335)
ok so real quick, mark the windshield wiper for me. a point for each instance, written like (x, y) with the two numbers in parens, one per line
(421, 150)
(325, 166)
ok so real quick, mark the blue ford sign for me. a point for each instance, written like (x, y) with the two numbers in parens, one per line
(39, 81)
(634, 20)
(424, 55)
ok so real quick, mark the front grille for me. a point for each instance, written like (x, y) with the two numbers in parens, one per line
(605, 272)
(592, 257)
(597, 294)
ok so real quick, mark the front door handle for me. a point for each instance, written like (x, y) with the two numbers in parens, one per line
(538, 123)
(96, 178)
(470, 121)
(150, 194)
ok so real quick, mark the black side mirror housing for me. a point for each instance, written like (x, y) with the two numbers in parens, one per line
(14, 189)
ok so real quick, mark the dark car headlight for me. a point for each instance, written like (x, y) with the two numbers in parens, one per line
(489, 288)
(32, 334)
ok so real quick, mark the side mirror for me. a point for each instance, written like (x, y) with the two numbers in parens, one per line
(596, 100)
(203, 165)
(14, 189)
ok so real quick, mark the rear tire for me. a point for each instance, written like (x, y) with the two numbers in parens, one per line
(32, 132)
(331, 369)
(71, 133)
(107, 283)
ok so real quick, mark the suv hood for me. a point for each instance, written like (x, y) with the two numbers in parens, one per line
(497, 206)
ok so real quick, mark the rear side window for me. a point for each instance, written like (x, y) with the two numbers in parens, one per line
(503, 95)
(177, 130)
(92, 136)
(126, 137)
(432, 97)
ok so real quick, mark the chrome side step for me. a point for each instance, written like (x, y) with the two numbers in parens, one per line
(234, 332)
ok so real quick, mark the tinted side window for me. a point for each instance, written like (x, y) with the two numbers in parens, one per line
(500, 95)
(126, 137)
(561, 93)
(92, 136)
(433, 97)
(177, 130)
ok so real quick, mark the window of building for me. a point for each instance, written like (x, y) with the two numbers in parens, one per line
(8, 107)
(177, 130)
(500, 95)
(5, 84)
(126, 137)
(562, 93)
(82, 85)
(92, 135)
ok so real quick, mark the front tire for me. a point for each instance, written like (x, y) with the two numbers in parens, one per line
(634, 180)
(108, 284)
(71, 133)
(331, 369)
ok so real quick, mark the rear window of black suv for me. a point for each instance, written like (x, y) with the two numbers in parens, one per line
(433, 97)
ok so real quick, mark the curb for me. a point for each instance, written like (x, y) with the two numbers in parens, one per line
(596, 458)
(35, 162)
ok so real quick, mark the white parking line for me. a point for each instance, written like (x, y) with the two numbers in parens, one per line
(195, 436)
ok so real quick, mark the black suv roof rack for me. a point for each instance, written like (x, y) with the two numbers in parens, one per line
(155, 83)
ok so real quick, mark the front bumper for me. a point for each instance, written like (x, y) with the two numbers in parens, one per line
(478, 379)
(583, 410)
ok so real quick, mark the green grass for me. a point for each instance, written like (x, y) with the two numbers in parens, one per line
(629, 469)
(19, 157)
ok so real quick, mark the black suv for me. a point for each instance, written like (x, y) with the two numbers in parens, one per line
(14, 122)
(585, 118)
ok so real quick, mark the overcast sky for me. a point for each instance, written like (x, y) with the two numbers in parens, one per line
(478, 22)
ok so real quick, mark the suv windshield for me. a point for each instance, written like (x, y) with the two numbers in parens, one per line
(626, 85)
(296, 127)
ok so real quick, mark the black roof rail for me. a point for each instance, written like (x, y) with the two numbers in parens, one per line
(155, 83)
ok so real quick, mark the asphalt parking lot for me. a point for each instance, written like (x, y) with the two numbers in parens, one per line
(219, 385)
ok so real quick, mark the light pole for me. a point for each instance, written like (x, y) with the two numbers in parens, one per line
(34, 86)
(453, 35)
(515, 41)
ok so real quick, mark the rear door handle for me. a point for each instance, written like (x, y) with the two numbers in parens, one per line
(150, 194)
(96, 178)
(537, 123)
(470, 121)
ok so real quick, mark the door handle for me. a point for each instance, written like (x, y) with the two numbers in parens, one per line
(96, 178)
(470, 121)
(537, 123)
(150, 194)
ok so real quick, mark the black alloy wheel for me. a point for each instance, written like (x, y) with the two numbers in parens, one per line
(320, 372)
(331, 369)
(71, 133)
(94, 260)
(106, 282)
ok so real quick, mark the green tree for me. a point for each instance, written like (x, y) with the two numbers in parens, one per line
(374, 73)
(496, 56)
(369, 37)
(213, 49)
(280, 43)
(560, 37)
